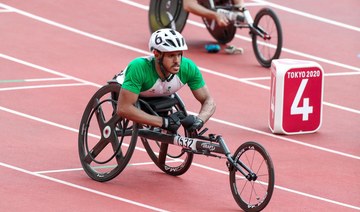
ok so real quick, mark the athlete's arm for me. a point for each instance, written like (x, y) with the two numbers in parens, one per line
(126, 108)
(194, 7)
(208, 105)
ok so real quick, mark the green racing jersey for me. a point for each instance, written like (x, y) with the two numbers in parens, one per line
(140, 77)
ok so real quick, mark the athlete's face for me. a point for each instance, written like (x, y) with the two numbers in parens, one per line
(172, 60)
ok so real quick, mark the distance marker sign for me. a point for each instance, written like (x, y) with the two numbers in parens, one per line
(296, 96)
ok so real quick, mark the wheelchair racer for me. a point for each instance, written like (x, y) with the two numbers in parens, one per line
(162, 74)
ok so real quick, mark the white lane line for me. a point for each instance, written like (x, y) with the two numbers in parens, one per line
(308, 15)
(81, 169)
(33, 80)
(41, 86)
(4, 11)
(82, 187)
(242, 80)
(47, 70)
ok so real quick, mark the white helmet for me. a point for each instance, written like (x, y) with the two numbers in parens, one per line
(167, 40)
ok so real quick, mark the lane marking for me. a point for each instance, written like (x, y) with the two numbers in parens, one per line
(242, 80)
(41, 86)
(195, 164)
(308, 15)
(33, 80)
(5, 11)
(82, 188)
(81, 169)
(47, 70)
(294, 191)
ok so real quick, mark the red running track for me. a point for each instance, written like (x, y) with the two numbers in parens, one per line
(55, 55)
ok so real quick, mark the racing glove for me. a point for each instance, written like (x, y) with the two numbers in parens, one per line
(172, 122)
(192, 123)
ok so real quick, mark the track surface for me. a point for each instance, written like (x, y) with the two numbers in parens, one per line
(55, 54)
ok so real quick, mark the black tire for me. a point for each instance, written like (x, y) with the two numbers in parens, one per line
(267, 50)
(252, 195)
(171, 159)
(101, 161)
(167, 14)
(223, 35)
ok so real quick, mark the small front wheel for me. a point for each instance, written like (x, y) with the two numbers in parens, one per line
(252, 193)
(267, 46)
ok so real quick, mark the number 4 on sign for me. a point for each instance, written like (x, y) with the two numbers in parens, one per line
(305, 110)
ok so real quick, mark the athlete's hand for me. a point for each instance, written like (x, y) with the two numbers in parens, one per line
(192, 123)
(221, 20)
(172, 122)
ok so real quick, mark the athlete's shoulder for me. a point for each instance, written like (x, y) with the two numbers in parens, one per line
(187, 60)
(188, 64)
(146, 60)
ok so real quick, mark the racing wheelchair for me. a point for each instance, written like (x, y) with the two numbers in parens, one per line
(265, 29)
(106, 143)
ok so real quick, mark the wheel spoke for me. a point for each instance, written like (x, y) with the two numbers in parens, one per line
(163, 153)
(99, 114)
(95, 151)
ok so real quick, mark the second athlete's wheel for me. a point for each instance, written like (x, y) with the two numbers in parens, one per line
(106, 141)
(269, 47)
(252, 194)
(167, 14)
(223, 35)
(171, 159)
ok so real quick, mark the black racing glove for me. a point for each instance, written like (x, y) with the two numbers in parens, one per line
(192, 123)
(172, 122)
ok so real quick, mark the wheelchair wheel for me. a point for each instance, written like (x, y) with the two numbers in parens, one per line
(223, 35)
(252, 195)
(167, 14)
(106, 141)
(171, 159)
(268, 48)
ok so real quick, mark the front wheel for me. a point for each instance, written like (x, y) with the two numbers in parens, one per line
(252, 194)
(268, 46)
